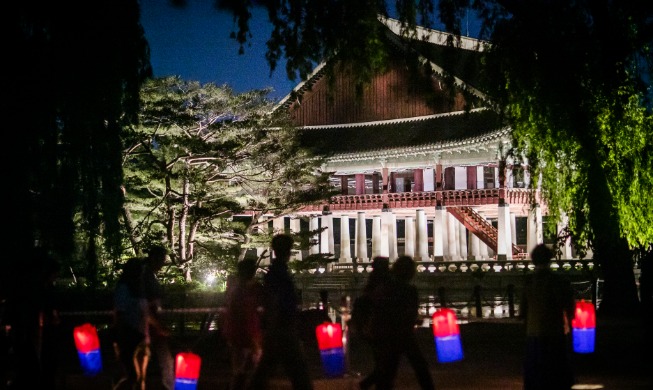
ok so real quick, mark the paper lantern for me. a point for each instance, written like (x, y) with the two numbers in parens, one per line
(447, 336)
(88, 349)
(187, 370)
(329, 341)
(584, 327)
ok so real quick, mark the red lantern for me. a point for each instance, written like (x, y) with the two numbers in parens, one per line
(88, 348)
(187, 370)
(447, 336)
(329, 341)
(329, 335)
(584, 327)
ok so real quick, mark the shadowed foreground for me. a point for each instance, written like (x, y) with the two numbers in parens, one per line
(492, 360)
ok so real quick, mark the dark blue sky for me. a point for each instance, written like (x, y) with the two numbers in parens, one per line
(193, 43)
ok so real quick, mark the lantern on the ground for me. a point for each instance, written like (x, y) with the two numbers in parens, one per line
(88, 349)
(329, 341)
(584, 327)
(187, 370)
(447, 336)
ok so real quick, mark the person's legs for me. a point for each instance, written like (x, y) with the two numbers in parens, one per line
(419, 364)
(371, 378)
(161, 353)
(295, 363)
(266, 365)
(387, 366)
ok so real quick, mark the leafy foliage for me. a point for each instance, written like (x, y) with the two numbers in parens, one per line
(578, 100)
(204, 155)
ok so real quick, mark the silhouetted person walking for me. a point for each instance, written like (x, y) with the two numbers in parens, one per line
(547, 307)
(281, 341)
(242, 326)
(131, 326)
(159, 335)
(395, 316)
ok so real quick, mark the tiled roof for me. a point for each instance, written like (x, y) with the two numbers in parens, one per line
(451, 128)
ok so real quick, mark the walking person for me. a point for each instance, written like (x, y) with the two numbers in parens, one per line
(281, 341)
(395, 316)
(363, 313)
(242, 325)
(131, 326)
(547, 307)
(159, 334)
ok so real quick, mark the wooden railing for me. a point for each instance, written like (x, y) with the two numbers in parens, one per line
(476, 197)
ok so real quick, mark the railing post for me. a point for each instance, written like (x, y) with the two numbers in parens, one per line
(477, 301)
(443, 296)
(511, 300)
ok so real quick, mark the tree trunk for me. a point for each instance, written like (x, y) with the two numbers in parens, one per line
(611, 251)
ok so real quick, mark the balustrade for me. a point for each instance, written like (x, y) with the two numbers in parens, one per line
(475, 197)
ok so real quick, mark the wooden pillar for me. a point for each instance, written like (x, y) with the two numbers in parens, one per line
(385, 178)
(438, 177)
(418, 179)
(375, 183)
(344, 185)
(360, 184)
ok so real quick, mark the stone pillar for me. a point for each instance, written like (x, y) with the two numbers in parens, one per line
(452, 244)
(421, 238)
(295, 228)
(345, 240)
(445, 235)
(327, 244)
(483, 250)
(410, 238)
(377, 241)
(504, 237)
(278, 225)
(462, 241)
(385, 234)
(314, 225)
(566, 248)
(534, 232)
(393, 253)
(361, 237)
(475, 246)
(438, 233)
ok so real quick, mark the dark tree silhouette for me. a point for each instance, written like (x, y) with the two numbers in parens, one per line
(74, 74)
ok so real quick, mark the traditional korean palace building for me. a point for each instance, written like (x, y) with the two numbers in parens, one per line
(418, 166)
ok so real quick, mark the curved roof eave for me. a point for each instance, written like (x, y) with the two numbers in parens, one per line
(486, 141)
